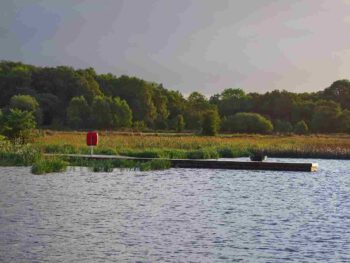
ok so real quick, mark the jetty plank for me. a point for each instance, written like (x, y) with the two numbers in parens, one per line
(211, 164)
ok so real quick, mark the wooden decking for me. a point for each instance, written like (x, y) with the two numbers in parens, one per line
(212, 164)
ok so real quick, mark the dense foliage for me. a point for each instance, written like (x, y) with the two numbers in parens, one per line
(65, 98)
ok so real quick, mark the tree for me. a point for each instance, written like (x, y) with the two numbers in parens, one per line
(325, 117)
(197, 106)
(303, 110)
(180, 123)
(26, 103)
(137, 93)
(18, 124)
(50, 107)
(78, 113)
(301, 128)
(1, 122)
(13, 76)
(101, 114)
(121, 113)
(231, 101)
(110, 113)
(283, 126)
(176, 103)
(211, 123)
(276, 104)
(339, 92)
(160, 101)
(65, 83)
(344, 121)
(245, 122)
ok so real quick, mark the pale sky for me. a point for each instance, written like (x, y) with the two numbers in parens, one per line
(188, 45)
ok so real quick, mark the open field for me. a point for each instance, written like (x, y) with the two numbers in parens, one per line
(191, 146)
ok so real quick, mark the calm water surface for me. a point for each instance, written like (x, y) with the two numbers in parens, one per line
(178, 215)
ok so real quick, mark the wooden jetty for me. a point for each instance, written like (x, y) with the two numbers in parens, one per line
(211, 164)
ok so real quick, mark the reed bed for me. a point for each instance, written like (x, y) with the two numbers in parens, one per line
(199, 147)
(109, 165)
(17, 154)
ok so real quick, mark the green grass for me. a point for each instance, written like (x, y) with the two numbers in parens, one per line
(155, 165)
(18, 155)
(109, 165)
(54, 165)
(191, 146)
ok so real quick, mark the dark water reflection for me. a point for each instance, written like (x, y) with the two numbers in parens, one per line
(176, 216)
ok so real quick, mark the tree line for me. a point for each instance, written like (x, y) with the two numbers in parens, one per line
(65, 98)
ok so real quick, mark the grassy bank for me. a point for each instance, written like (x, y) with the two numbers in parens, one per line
(165, 146)
(49, 165)
(32, 155)
(18, 155)
(199, 147)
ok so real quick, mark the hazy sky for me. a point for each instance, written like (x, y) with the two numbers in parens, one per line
(203, 45)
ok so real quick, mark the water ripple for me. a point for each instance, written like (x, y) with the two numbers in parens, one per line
(178, 215)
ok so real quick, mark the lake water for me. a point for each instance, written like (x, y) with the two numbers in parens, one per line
(178, 215)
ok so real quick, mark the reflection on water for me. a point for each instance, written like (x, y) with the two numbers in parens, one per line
(179, 215)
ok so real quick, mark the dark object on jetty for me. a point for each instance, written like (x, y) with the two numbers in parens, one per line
(258, 157)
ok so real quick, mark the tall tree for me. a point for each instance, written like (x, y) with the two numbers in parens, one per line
(78, 113)
(231, 101)
(197, 106)
(244, 122)
(18, 124)
(121, 113)
(211, 123)
(339, 92)
(325, 117)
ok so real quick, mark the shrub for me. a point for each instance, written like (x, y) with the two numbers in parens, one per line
(180, 123)
(211, 123)
(60, 148)
(204, 153)
(232, 152)
(102, 166)
(155, 165)
(78, 112)
(18, 154)
(301, 128)
(245, 122)
(283, 126)
(27, 103)
(139, 126)
(18, 125)
(106, 151)
(44, 166)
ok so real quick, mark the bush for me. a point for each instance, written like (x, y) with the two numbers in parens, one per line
(102, 166)
(148, 153)
(18, 125)
(155, 165)
(106, 151)
(301, 128)
(27, 103)
(139, 126)
(44, 166)
(244, 122)
(180, 123)
(211, 123)
(203, 154)
(60, 148)
(232, 152)
(78, 112)
(283, 126)
(17, 154)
